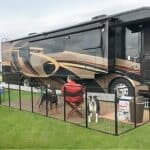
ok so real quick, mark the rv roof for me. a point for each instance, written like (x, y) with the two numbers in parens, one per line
(127, 16)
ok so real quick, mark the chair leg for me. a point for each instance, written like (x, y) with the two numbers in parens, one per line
(75, 109)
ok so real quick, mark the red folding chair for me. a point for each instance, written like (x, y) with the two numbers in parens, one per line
(74, 100)
(75, 108)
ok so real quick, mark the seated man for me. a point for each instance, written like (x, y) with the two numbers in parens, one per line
(73, 93)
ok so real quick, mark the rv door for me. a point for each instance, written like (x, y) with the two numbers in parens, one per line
(145, 63)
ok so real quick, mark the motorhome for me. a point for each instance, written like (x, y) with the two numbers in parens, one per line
(108, 52)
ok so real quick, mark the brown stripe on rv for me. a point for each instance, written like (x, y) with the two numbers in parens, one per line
(128, 69)
(98, 66)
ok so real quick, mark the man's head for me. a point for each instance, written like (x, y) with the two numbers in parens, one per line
(71, 78)
(48, 85)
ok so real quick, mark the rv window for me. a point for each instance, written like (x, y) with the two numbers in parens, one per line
(83, 40)
(50, 45)
(132, 44)
(88, 41)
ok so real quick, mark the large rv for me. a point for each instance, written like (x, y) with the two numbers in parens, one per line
(107, 52)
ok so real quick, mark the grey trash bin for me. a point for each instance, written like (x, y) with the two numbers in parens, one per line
(139, 110)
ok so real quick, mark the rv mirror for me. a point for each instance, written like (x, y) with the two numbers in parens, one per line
(134, 59)
(129, 58)
(103, 29)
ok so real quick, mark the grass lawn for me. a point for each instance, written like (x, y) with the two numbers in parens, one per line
(14, 94)
(107, 125)
(20, 129)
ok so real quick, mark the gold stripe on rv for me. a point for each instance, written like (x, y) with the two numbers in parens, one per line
(81, 67)
(6, 63)
(83, 59)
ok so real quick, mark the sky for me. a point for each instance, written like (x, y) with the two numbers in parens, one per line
(18, 18)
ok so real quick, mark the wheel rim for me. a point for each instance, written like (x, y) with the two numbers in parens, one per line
(121, 89)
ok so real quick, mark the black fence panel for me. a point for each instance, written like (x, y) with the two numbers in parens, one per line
(104, 117)
(25, 96)
(56, 106)
(37, 105)
(14, 95)
(103, 110)
(4, 94)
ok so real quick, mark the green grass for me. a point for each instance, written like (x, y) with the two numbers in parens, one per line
(14, 94)
(107, 125)
(20, 129)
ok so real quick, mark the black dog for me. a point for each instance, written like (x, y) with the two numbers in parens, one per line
(51, 97)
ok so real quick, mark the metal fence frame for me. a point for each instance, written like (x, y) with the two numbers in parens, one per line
(86, 113)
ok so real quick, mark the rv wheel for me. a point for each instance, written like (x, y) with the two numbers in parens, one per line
(122, 86)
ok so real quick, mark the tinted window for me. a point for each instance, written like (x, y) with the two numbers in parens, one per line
(132, 44)
(50, 45)
(88, 41)
(83, 40)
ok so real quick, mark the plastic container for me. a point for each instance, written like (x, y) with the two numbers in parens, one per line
(139, 109)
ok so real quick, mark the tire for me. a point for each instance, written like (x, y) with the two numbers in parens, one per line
(123, 87)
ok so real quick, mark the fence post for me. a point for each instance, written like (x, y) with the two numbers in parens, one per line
(32, 97)
(9, 94)
(116, 117)
(0, 98)
(149, 107)
(1, 94)
(46, 102)
(20, 96)
(134, 109)
(86, 112)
